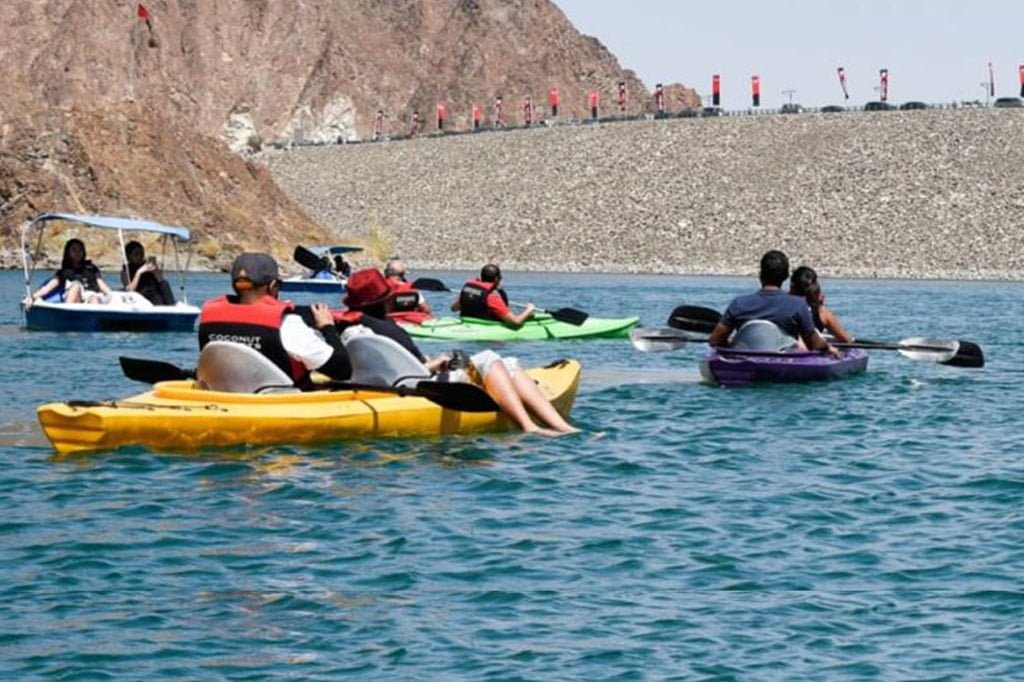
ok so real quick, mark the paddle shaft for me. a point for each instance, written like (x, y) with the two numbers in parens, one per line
(568, 315)
(460, 396)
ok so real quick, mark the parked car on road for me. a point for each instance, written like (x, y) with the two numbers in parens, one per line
(832, 109)
(879, 106)
(913, 105)
(1009, 102)
(791, 108)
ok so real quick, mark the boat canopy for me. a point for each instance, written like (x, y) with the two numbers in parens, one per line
(335, 250)
(112, 223)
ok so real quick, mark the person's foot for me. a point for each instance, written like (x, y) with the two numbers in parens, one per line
(541, 431)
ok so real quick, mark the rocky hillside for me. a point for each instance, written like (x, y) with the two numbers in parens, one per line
(103, 112)
(935, 193)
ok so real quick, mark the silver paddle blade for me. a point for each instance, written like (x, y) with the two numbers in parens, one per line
(933, 350)
(657, 340)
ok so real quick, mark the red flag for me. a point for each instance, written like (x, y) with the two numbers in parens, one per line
(883, 76)
(755, 90)
(716, 90)
(1022, 80)
(143, 14)
(842, 82)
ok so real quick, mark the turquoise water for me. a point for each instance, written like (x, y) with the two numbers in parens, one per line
(865, 529)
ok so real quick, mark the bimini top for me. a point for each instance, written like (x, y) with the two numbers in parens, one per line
(334, 250)
(111, 223)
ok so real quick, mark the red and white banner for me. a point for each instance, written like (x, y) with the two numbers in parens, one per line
(755, 90)
(842, 82)
(716, 90)
(883, 77)
(1022, 80)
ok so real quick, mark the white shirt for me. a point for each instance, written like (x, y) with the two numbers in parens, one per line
(303, 343)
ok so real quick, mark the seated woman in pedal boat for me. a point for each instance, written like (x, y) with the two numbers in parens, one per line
(144, 276)
(79, 280)
(369, 301)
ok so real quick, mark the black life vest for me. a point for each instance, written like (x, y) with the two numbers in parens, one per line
(88, 275)
(473, 299)
(255, 325)
(149, 285)
(404, 298)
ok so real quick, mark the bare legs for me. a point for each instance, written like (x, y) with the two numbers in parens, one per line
(515, 395)
(76, 293)
(73, 293)
(538, 403)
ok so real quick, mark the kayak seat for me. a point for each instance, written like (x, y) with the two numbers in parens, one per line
(380, 361)
(762, 335)
(237, 368)
(55, 296)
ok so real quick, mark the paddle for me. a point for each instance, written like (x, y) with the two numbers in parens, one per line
(568, 315)
(429, 284)
(454, 396)
(152, 371)
(650, 340)
(955, 353)
(694, 318)
(310, 260)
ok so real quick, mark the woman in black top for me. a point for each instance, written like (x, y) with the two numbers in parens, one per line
(78, 277)
(143, 275)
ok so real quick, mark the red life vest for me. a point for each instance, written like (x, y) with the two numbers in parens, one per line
(473, 299)
(255, 325)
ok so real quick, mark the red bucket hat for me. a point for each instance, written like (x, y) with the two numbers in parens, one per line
(366, 288)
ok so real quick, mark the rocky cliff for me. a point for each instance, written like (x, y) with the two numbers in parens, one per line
(114, 107)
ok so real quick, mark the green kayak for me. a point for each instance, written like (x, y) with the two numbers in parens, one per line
(539, 328)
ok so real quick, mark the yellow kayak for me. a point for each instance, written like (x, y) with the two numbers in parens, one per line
(180, 416)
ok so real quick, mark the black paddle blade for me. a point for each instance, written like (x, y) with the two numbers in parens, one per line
(569, 315)
(456, 396)
(694, 318)
(967, 355)
(310, 260)
(429, 284)
(152, 371)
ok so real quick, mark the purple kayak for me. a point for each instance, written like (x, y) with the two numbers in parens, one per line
(740, 367)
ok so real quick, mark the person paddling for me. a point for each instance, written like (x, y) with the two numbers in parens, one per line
(406, 298)
(790, 314)
(804, 283)
(256, 318)
(369, 301)
(485, 299)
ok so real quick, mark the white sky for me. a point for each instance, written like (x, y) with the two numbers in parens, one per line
(935, 50)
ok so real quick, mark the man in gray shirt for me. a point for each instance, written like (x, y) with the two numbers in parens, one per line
(789, 313)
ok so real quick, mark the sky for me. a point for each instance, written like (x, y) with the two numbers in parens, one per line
(934, 50)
